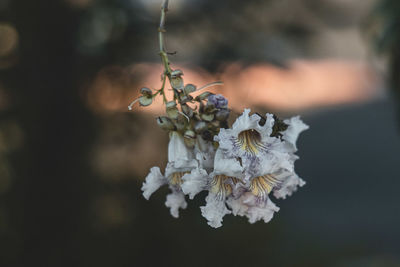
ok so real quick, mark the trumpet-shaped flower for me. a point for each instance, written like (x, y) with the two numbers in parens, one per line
(180, 162)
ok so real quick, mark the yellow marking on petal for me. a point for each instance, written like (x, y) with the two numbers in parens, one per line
(176, 178)
(261, 186)
(220, 185)
(250, 141)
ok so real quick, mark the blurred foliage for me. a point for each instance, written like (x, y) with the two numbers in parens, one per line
(384, 27)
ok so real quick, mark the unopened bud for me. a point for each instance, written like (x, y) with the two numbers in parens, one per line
(165, 123)
(203, 96)
(189, 88)
(189, 138)
(146, 91)
(187, 110)
(207, 117)
(171, 110)
(145, 100)
(222, 114)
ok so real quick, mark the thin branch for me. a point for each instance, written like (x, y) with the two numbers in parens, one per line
(161, 31)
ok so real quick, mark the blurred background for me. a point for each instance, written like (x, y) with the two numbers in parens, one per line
(72, 158)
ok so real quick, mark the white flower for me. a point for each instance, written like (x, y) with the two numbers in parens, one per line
(266, 162)
(180, 162)
(252, 142)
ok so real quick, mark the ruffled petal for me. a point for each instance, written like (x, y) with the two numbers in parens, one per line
(194, 182)
(227, 166)
(172, 168)
(249, 205)
(152, 182)
(214, 211)
(175, 201)
(296, 126)
(289, 187)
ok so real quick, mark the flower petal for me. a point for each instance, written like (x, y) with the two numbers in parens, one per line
(205, 153)
(214, 210)
(226, 166)
(175, 201)
(249, 205)
(194, 182)
(177, 151)
(296, 126)
(289, 187)
(152, 182)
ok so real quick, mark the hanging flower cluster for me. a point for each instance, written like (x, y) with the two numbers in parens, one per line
(240, 166)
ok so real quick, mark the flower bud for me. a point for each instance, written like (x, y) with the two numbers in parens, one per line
(207, 117)
(219, 101)
(146, 91)
(187, 110)
(172, 111)
(189, 88)
(222, 114)
(202, 96)
(165, 123)
(176, 80)
(200, 127)
(145, 100)
(181, 122)
(189, 138)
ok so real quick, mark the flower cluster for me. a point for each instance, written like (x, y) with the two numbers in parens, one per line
(239, 166)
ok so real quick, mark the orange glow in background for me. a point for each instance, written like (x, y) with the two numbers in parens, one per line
(304, 84)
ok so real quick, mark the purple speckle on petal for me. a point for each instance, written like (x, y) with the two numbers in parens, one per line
(219, 101)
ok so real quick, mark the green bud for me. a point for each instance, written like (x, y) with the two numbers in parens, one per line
(181, 122)
(171, 104)
(146, 92)
(190, 138)
(145, 100)
(207, 117)
(187, 110)
(203, 96)
(165, 123)
(189, 88)
(176, 80)
(222, 114)
(176, 73)
(186, 98)
(172, 111)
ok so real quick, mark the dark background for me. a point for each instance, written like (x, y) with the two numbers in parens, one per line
(70, 196)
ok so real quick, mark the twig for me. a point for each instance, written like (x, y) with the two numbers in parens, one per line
(161, 31)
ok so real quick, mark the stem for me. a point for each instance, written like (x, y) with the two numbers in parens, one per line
(162, 89)
(161, 31)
